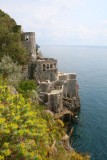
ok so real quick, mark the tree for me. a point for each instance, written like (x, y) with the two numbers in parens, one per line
(10, 39)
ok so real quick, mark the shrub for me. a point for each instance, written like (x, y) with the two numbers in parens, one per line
(10, 70)
(27, 88)
(24, 133)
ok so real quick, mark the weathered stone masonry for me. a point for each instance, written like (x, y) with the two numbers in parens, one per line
(57, 90)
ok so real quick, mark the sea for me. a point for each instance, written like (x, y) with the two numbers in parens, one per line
(90, 65)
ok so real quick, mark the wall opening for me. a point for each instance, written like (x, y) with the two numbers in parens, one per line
(44, 67)
(26, 37)
(51, 65)
(47, 66)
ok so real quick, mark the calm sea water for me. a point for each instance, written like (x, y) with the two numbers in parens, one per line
(90, 64)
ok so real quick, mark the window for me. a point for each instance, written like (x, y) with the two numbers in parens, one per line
(51, 65)
(47, 66)
(43, 67)
(26, 37)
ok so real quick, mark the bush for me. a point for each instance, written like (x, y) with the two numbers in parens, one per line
(27, 87)
(24, 133)
(10, 70)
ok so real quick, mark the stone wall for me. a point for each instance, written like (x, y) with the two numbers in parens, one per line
(71, 88)
(55, 101)
(69, 84)
(44, 87)
(66, 76)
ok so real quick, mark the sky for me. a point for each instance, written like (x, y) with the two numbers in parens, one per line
(61, 22)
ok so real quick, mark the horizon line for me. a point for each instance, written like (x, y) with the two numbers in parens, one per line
(68, 45)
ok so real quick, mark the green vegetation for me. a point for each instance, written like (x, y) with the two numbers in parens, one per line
(10, 39)
(10, 71)
(26, 86)
(28, 89)
(24, 134)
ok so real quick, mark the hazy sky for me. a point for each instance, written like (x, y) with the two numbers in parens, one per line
(66, 22)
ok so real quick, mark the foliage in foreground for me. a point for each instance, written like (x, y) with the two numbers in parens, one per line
(24, 134)
(28, 133)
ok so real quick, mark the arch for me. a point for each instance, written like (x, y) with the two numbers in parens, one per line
(44, 67)
(51, 65)
(47, 66)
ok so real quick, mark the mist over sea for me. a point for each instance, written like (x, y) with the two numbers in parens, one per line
(90, 64)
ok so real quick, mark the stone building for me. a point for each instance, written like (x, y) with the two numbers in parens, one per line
(45, 69)
(57, 90)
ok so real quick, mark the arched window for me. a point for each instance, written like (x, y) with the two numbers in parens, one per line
(47, 66)
(44, 67)
(51, 65)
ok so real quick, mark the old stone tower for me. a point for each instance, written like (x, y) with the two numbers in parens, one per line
(30, 43)
(57, 90)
